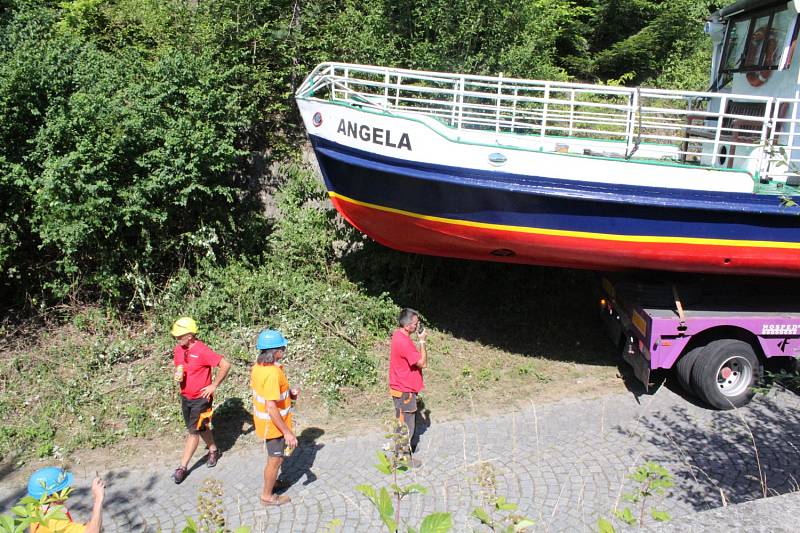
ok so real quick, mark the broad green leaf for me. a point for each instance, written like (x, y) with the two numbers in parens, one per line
(415, 488)
(604, 526)
(661, 516)
(242, 529)
(384, 465)
(482, 515)
(507, 506)
(382, 458)
(436, 523)
(386, 509)
(626, 516)
(524, 524)
(369, 492)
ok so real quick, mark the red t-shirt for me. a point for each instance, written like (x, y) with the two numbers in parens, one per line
(197, 360)
(403, 375)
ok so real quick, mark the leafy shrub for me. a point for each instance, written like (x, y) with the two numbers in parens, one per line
(120, 160)
(346, 367)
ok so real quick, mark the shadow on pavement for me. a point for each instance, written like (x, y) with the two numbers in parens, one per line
(302, 459)
(130, 504)
(423, 422)
(727, 456)
(231, 421)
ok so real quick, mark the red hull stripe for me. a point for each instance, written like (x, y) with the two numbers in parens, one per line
(425, 234)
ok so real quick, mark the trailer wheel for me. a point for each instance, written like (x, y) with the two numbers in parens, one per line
(724, 376)
(684, 367)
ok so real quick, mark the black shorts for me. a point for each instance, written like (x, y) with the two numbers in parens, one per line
(407, 403)
(276, 446)
(196, 414)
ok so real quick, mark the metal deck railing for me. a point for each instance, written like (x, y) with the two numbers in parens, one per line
(721, 130)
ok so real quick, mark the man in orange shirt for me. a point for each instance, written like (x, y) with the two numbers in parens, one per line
(52, 480)
(272, 409)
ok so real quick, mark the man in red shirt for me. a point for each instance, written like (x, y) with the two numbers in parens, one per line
(405, 370)
(193, 363)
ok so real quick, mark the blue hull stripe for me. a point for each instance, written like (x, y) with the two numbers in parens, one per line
(525, 201)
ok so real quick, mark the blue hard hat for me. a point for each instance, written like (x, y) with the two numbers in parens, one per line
(270, 338)
(47, 481)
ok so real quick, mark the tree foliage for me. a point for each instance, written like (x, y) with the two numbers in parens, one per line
(136, 134)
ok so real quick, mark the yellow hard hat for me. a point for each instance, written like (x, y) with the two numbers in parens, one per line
(183, 325)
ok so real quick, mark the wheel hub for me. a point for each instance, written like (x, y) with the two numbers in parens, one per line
(734, 376)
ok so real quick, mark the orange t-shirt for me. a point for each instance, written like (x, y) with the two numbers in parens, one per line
(269, 383)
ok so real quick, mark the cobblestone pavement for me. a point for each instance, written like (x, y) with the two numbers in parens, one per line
(565, 464)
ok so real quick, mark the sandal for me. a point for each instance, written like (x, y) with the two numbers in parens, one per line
(279, 500)
(213, 457)
(180, 474)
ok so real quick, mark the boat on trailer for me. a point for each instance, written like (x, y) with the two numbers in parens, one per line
(576, 175)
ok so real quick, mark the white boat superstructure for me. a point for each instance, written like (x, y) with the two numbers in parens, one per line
(755, 134)
(747, 123)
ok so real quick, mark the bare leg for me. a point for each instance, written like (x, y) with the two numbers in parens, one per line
(192, 440)
(208, 438)
(270, 475)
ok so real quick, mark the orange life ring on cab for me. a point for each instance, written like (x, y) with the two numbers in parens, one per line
(767, 39)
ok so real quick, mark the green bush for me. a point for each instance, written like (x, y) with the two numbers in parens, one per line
(125, 144)
(338, 369)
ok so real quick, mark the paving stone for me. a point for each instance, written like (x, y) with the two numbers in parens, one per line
(565, 476)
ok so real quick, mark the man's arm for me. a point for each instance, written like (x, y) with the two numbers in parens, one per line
(224, 368)
(423, 355)
(275, 415)
(96, 521)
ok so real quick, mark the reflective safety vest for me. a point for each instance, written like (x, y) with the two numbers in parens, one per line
(269, 383)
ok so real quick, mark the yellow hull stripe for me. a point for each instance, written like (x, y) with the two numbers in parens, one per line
(576, 234)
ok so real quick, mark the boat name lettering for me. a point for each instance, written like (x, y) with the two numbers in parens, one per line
(371, 133)
(779, 329)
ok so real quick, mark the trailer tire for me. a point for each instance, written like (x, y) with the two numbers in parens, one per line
(684, 366)
(724, 376)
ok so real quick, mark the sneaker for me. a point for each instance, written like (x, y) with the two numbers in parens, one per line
(213, 457)
(180, 474)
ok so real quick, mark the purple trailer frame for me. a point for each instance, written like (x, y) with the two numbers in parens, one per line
(764, 313)
(778, 334)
